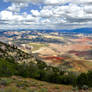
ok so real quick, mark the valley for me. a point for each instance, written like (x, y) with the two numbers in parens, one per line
(71, 50)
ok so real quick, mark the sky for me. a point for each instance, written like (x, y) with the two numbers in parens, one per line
(45, 14)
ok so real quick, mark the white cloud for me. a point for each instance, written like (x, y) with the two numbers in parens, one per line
(16, 7)
(35, 12)
(12, 19)
(55, 14)
(6, 15)
(25, 1)
(52, 2)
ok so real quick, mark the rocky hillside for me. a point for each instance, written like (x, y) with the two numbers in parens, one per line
(11, 51)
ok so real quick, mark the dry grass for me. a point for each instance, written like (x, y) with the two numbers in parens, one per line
(18, 84)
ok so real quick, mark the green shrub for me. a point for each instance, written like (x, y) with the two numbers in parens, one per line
(5, 81)
(22, 84)
(13, 89)
(82, 80)
(89, 75)
(43, 90)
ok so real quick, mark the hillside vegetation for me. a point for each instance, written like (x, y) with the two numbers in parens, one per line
(11, 51)
(19, 84)
(9, 66)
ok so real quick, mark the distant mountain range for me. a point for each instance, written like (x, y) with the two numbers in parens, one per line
(81, 30)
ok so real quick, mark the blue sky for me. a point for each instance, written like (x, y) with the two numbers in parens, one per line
(45, 14)
(4, 5)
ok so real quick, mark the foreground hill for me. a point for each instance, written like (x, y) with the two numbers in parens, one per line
(11, 51)
(19, 84)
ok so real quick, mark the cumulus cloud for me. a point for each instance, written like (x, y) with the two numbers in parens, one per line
(7, 15)
(15, 7)
(54, 14)
(52, 2)
(25, 1)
